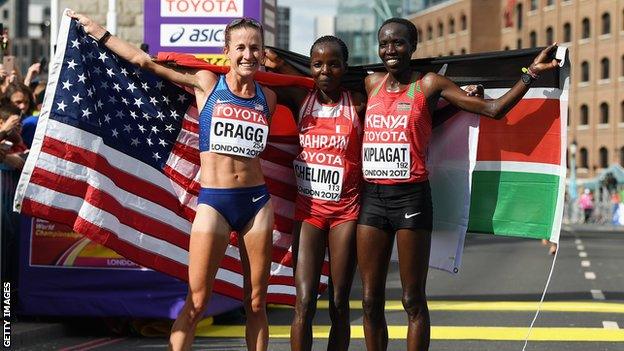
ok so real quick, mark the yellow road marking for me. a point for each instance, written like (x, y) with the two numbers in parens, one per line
(438, 333)
(498, 306)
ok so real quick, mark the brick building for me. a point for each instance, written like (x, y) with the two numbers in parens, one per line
(593, 30)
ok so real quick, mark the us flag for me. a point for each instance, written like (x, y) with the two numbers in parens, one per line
(116, 157)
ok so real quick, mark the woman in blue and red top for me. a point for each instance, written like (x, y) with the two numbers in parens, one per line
(396, 199)
(233, 195)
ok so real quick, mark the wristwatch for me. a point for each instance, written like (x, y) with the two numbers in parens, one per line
(526, 78)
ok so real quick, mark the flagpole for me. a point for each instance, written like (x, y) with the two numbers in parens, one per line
(572, 191)
(111, 17)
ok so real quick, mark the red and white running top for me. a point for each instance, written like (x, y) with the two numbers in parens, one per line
(397, 129)
(328, 167)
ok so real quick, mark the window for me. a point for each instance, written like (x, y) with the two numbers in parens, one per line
(463, 51)
(429, 32)
(622, 111)
(604, 157)
(585, 27)
(622, 66)
(550, 2)
(604, 68)
(584, 115)
(519, 16)
(463, 22)
(506, 48)
(451, 53)
(549, 36)
(567, 32)
(583, 161)
(604, 113)
(533, 39)
(622, 156)
(585, 71)
(519, 44)
(451, 26)
(606, 23)
(440, 29)
(533, 5)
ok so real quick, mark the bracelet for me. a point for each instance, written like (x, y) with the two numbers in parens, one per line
(530, 72)
(104, 38)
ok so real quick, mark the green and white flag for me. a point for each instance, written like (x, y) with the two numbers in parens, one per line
(502, 177)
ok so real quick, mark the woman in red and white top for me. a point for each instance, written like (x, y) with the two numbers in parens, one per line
(396, 199)
(328, 174)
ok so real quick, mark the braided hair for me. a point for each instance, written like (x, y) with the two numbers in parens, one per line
(335, 40)
(411, 29)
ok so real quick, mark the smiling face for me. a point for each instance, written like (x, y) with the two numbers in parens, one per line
(245, 50)
(20, 100)
(395, 49)
(327, 66)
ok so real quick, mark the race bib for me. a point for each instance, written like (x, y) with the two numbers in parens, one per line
(237, 130)
(386, 160)
(318, 181)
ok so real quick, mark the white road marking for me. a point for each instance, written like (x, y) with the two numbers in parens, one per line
(590, 275)
(582, 254)
(585, 263)
(578, 241)
(597, 294)
(610, 325)
(580, 247)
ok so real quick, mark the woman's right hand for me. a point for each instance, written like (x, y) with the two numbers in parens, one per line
(90, 27)
(10, 125)
(272, 61)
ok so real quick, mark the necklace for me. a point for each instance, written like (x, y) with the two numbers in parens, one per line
(394, 86)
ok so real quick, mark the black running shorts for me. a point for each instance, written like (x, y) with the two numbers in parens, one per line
(394, 207)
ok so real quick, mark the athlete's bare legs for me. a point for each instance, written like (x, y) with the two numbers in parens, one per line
(210, 235)
(374, 247)
(255, 243)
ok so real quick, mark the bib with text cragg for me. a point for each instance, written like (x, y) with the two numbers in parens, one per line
(238, 130)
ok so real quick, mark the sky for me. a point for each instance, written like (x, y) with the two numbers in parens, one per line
(303, 13)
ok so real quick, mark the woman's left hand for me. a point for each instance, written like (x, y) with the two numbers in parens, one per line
(543, 61)
(475, 90)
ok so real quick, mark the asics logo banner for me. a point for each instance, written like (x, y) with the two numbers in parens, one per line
(408, 216)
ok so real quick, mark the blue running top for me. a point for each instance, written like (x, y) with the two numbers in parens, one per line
(233, 125)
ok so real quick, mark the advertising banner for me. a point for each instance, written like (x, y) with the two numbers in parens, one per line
(63, 273)
(193, 26)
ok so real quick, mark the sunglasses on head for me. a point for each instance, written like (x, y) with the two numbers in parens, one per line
(244, 20)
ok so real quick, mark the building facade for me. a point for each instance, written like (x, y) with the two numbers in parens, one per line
(592, 30)
(455, 27)
(283, 28)
(324, 25)
(357, 22)
(594, 33)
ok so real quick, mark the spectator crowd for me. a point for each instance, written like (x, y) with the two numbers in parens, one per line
(21, 95)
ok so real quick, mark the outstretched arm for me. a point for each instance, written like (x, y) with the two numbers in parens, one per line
(139, 58)
(443, 87)
(291, 97)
